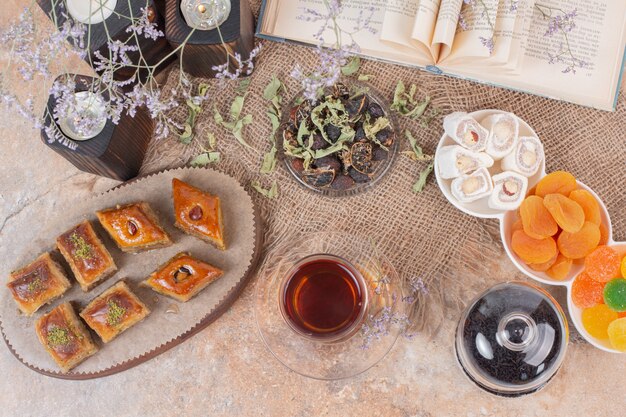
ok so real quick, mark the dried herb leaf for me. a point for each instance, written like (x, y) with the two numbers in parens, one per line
(272, 192)
(243, 85)
(416, 152)
(352, 66)
(187, 134)
(269, 161)
(235, 124)
(205, 158)
(365, 77)
(271, 90)
(236, 107)
(202, 89)
(421, 181)
(406, 103)
(212, 140)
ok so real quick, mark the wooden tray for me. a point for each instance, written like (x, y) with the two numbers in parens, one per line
(227, 299)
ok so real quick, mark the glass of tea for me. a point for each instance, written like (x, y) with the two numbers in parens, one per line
(326, 304)
(324, 297)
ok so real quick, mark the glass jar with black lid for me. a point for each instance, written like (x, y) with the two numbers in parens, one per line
(511, 339)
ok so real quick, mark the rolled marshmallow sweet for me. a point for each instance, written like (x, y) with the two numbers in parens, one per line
(472, 187)
(526, 158)
(503, 134)
(454, 161)
(509, 190)
(465, 131)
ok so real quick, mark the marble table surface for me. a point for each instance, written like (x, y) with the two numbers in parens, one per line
(226, 369)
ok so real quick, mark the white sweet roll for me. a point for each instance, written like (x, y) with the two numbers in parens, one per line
(454, 161)
(475, 186)
(509, 190)
(503, 134)
(465, 131)
(525, 158)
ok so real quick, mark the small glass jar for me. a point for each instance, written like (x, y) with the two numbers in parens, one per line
(205, 14)
(512, 339)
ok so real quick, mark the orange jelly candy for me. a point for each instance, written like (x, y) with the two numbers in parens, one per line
(603, 264)
(533, 251)
(587, 292)
(568, 214)
(537, 220)
(580, 244)
(558, 182)
(589, 205)
(560, 269)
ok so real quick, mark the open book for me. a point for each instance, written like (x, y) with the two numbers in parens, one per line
(511, 43)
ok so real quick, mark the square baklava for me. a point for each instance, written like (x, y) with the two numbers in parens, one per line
(198, 213)
(65, 337)
(114, 311)
(37, 283)
(89, 259)
(182, 277)
(134, 227)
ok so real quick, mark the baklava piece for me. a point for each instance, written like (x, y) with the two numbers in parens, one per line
(198, 213)
(134, 227)
(182, 277)
(89, 259)
(64, 337)
(114, 311)
(37, 283)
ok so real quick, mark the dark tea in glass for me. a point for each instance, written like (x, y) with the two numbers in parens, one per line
(324, 297)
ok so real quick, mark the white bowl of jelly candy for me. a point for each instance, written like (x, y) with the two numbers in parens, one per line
(486, 160)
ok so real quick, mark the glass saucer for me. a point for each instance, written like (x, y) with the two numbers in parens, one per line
(384, 319)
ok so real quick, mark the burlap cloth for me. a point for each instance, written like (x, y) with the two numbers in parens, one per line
(422, 234)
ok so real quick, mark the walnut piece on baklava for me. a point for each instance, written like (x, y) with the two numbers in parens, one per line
(182, 277)
(198, 213)
(65, 337)
(114, 311)
(37, 284)
(134, 227)
(89, 259)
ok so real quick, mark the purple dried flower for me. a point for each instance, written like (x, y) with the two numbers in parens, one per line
(561, 23)
(243, 66)
(144, 26)
(378, 325)
(514, 6)
(462, 21)
(487, 43)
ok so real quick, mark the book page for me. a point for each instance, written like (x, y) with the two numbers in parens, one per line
(445, 28)
(598, 39)
(400, 16)
(288, 20)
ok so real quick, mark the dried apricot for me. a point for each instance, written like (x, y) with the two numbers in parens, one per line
(623, 267)
(558, 182)
(604, 234)
(560, 269)
(532, 191)
(589, 205)
(533, 251)
(568, 214)
(543, 267)
(587, 292)
(517, 225)
(603, 264)
(537, 220)
(579, 244)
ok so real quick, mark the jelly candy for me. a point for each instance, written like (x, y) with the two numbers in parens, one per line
(560, 269)
(544, 266)
(568, 214)
(533, 251)
(615, 294)
(580, 244)
(558, 182)
(603, 264)
(586, 292)
(617, 334)
(589, 205)
(537, 220)
(623, 267)
(596, 320)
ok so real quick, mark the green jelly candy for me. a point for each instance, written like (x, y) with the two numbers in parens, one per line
(615, 294)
